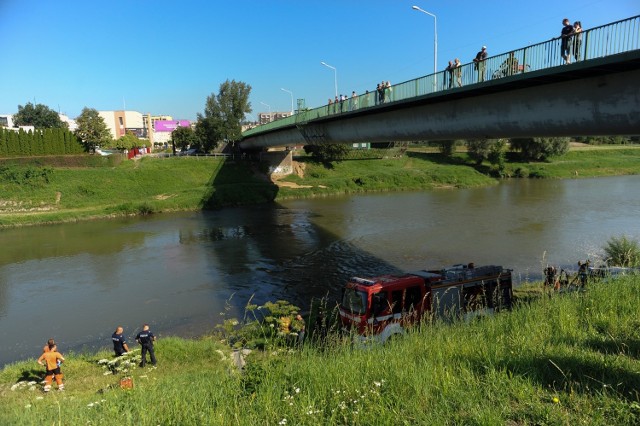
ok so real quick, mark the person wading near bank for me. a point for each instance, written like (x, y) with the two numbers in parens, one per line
(119, 343)
(146, 339)
(52, 359)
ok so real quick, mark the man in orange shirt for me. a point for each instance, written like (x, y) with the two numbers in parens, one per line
(50, 359)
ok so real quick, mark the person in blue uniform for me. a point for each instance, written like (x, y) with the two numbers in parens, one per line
(119, 343)
(146, 339)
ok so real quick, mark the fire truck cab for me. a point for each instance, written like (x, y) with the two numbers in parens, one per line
(379, 307)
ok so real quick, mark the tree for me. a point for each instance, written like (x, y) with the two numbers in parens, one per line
(497, 154)
(328, 153)
(223, 115)
(539, 149)
(39, 116)
(183, 137)
(128, 141)
(479, 149)
(92, 130)
(447, 147)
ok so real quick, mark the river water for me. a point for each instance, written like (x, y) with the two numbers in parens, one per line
(180, 272)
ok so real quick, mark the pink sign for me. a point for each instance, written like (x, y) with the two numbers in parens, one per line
(170, 125)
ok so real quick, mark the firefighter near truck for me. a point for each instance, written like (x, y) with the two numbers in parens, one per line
(377, 308)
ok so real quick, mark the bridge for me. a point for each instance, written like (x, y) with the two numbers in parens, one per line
(528, 92)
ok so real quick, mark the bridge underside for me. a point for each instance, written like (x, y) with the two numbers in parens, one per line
(599, 97)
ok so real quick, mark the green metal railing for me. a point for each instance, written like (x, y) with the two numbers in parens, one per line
(606, 40)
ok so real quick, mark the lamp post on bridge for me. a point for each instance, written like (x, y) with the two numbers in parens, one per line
(291, 94)
(435, 44)
(268, 106)
(335, 75)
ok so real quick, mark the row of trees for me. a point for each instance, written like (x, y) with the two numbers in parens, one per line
(55, 141)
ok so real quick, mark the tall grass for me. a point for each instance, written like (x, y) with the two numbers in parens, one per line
(569, 359)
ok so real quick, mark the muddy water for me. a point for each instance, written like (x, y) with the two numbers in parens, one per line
(179, 272)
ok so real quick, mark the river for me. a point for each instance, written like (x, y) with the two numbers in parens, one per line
(181, 272)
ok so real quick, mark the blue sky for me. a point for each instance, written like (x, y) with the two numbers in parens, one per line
(166, 57)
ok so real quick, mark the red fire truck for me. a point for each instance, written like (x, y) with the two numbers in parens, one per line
(377, 308)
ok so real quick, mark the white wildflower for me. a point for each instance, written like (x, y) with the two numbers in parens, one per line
(378, 384)
(16, 386)
(107, 373)
(27, 406)
(297, 390)
(90, 404)
(103, 361)
(32, 388)
(283, 422)
(31, 383)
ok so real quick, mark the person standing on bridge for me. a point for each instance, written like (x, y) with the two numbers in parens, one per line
(565, 44)
(449, 74)
(457, 71)
(577, 40)
(480, 63)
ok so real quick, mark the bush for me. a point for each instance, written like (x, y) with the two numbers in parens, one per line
(328, 153)
(622, 251)
(539, 149)
(32, 176)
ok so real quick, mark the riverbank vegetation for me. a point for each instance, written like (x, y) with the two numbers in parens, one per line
(572, 358)
(69, 188)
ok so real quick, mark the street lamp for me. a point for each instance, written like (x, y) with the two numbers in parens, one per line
(268, 106)
(435, 43)
(335, 75)
(291, 94)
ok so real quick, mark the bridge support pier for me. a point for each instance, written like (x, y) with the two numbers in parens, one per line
(279, 163)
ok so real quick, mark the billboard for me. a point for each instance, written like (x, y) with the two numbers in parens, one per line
(169, 125)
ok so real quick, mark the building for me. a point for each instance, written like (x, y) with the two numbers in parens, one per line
(71, 123)
(120, 122)
(268, 117)
(6, 121)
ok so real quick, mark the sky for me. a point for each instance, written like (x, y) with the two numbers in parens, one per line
(166, 58)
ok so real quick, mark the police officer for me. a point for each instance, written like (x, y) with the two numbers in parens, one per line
(146, 339)
(119, 343)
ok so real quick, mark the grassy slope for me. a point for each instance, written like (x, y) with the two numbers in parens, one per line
(569, 359)
(191, 183)
(132, 187)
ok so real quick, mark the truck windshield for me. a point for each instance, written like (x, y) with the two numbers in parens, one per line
(354, 300)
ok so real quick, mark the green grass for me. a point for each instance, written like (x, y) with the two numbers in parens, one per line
(413, 171)
(150, 185)
(572, 358)
(580, 163)
(90, 187)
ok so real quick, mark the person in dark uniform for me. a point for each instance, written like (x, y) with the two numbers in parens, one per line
(146, 339)
(119, 343)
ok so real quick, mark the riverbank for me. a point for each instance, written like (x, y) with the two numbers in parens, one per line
(41, 190)
(568, 359)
